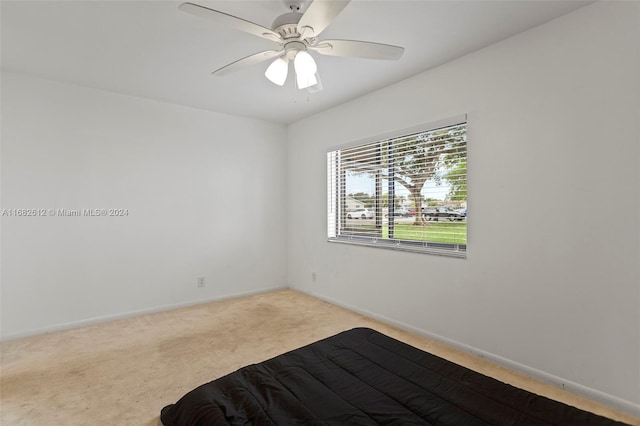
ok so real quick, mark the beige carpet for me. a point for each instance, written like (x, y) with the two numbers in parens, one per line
(124, 372)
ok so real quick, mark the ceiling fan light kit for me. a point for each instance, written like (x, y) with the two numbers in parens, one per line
(296, 33)
(306, 69)
(277, 71)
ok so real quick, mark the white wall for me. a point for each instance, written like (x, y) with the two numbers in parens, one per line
(551, 282)
(206, 196)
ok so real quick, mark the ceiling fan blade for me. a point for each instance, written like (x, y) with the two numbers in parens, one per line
(256, 58)
(319, 15)
(230, 20)
(358, 49)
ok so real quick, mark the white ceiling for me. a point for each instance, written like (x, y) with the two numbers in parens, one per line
(151, 49)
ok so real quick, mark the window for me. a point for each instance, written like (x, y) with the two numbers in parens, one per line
(407, 191)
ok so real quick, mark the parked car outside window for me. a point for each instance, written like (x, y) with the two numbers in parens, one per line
(360, 214)
(400, 213)
(441, 212)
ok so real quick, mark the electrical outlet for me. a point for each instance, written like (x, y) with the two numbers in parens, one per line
(200, 281)
(314, 277)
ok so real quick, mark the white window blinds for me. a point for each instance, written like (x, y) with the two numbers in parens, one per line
(407, 192)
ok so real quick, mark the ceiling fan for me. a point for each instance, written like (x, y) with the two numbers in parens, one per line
(296, 34)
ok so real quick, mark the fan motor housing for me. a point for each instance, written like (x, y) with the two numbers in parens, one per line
(292, 48)
(287, 25)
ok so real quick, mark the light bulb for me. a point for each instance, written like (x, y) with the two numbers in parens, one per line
(277, 71)
(304, 64)
(306, 69)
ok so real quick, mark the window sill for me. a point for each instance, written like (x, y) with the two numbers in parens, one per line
(440, 249)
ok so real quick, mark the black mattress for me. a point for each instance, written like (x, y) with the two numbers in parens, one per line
(362, 377)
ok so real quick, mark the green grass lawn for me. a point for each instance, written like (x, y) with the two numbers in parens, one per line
(440, 232)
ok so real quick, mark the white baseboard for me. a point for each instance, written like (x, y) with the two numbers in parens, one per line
(577, 388)
(129, 314)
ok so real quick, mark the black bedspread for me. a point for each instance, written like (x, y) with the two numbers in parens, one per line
(362, 377)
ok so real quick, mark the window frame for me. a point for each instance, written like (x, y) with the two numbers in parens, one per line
(416, 246)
